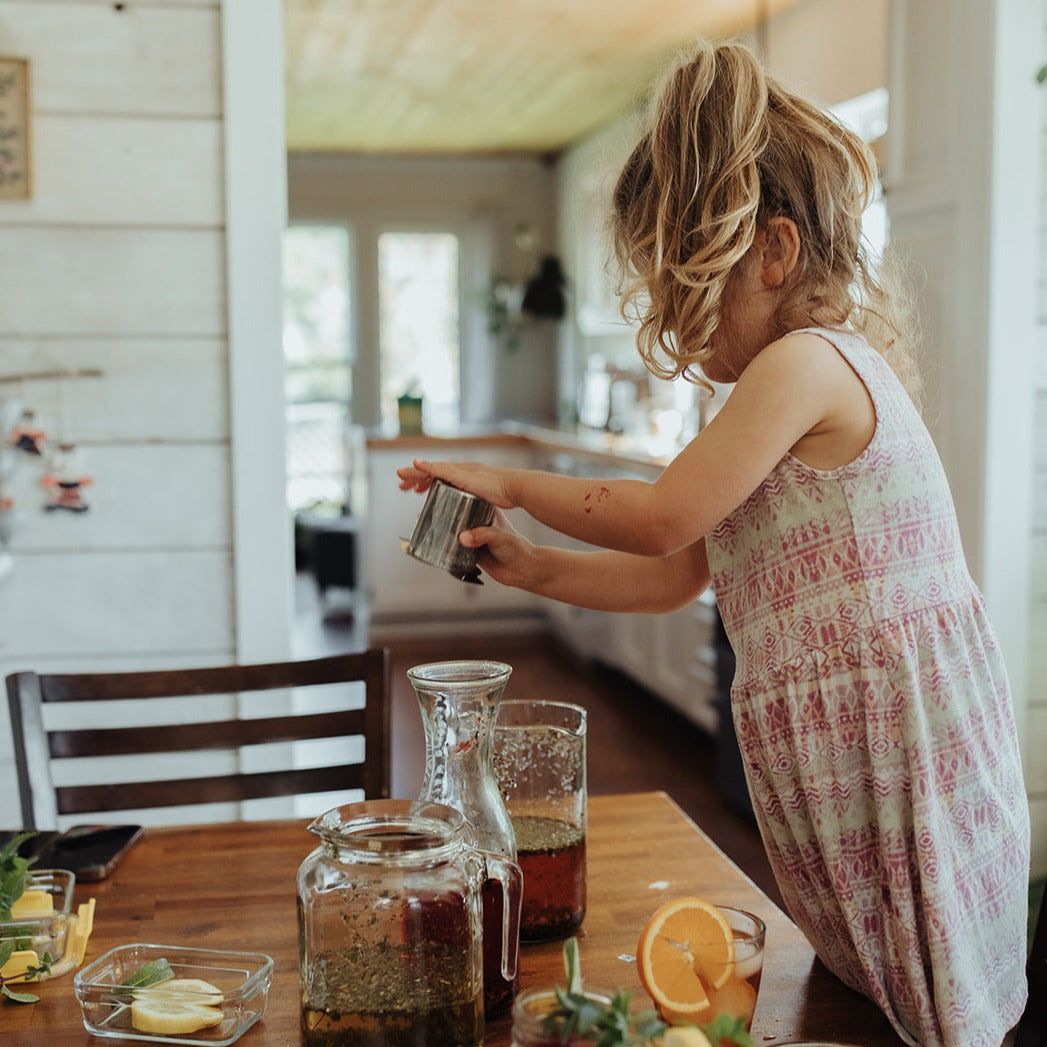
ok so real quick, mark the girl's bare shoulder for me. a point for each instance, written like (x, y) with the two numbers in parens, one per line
(802, 362)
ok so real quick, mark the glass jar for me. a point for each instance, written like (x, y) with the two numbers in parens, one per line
(530, 1010)
(390, 927)
(459, 705)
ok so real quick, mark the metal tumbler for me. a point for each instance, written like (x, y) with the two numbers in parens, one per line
(447, 512)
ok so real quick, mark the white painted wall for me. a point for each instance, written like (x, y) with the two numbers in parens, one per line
(963, 189)
(149, 251)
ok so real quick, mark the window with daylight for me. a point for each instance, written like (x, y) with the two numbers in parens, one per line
(418, 297)
(316, 274)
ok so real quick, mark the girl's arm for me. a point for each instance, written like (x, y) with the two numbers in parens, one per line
(790, 388)
(601, 580)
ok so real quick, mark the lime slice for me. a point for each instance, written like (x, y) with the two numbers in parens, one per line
(150, 974)
(189, 990)
(153, 1012)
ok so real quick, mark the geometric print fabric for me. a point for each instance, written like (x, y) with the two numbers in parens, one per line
(875, 722)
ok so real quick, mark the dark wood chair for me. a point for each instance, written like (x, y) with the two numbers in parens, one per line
(1032, 1029)
(41, 750)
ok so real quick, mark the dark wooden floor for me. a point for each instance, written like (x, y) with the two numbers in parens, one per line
(635, 742)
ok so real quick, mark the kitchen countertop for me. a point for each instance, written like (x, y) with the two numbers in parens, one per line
(613, 448)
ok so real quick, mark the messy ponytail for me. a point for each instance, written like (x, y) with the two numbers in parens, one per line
(727, 149)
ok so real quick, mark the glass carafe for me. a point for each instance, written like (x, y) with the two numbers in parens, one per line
(390, 927)
(459, 705)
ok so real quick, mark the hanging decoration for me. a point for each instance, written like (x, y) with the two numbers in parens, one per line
(26, 437)
(65, 480)
(66, 477)
(21, 438)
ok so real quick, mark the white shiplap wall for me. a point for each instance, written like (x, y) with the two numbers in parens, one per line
(121, 262)
(1036, 748)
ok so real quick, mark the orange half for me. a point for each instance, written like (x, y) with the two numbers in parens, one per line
(685, 951)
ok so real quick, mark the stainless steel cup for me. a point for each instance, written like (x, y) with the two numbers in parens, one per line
(446, 513)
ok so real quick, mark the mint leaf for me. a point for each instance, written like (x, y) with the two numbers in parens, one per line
(18, 997)
(578, 1015)
(36, 973)
(12, 873)
(724, 1028)
(572, 965)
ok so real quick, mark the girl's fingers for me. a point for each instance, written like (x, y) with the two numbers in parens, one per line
(411, 477)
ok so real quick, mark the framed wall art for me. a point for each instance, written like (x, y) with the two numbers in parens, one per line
(15, 168)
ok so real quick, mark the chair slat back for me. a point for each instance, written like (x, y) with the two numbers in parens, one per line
(36, 747)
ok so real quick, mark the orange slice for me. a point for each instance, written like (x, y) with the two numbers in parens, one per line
(686, 951)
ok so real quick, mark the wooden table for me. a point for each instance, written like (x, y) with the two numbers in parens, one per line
(232, 886)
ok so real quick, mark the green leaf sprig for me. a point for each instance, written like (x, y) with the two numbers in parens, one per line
(607, 1025)
(614, 1024)
(13, 873)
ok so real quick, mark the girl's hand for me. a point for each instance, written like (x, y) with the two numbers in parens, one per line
(485, 481)
(504, 554)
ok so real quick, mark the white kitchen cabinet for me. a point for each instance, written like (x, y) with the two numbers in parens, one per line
(672, 655)
(402, 589)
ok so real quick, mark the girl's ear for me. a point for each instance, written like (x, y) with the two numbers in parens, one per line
(781, 251)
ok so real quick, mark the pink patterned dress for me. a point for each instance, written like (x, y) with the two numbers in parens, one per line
(875, 723)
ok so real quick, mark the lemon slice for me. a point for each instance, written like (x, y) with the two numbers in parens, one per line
(154, 1012)
(684, 1036)
(31, 903)
(189, 990)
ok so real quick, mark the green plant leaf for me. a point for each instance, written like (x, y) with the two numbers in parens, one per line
(724, 1028)
(36, 973)
(18, 997)
(13, 872)
(572, 965)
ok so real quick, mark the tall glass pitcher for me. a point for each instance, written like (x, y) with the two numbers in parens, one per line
(390, 928)
(459, 704)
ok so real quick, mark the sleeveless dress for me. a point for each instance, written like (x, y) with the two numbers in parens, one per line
(875, 722)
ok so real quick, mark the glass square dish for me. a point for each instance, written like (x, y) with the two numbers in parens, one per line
(45, 934)
(242, 977)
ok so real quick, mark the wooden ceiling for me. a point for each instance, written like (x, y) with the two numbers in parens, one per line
(466, 76)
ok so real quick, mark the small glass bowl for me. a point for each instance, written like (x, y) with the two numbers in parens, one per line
(529, 1013)
(45, 934)
(242, 977)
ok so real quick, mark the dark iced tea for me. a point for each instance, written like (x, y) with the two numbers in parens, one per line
(551, 854)
(393, 996)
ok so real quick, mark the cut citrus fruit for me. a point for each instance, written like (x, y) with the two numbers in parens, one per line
(737, 998)
(684, 1036)
(686, 950)
(154, 1012)
(153, 972)
(189, 990)
(32, 902)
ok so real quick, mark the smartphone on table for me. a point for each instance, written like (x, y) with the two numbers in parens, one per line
(91, 852)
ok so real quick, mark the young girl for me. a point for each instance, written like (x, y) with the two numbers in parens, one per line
(870, 698)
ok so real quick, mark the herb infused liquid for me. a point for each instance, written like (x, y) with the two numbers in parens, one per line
(389, 996)
(551, 855)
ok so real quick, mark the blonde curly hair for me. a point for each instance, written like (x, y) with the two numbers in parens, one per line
(725, 150)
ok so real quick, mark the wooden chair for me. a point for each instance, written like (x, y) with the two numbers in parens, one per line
(1032, 1028)
(41, 750)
